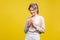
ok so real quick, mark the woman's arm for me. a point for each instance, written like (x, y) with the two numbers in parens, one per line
(40, 28)
(26, 26)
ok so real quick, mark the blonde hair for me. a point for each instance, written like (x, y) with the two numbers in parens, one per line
(34, 6)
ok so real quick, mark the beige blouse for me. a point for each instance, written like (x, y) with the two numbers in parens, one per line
(40, 24)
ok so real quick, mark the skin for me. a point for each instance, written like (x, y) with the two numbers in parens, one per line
(33, 12)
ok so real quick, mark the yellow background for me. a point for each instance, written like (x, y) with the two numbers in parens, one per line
(13, 15)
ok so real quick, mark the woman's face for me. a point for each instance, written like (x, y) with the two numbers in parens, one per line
(33, 11)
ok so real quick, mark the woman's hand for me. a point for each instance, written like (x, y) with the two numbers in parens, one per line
(30, 21)
(33, 23)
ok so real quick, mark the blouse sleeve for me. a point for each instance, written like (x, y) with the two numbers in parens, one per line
(26, 26)
(41, 27)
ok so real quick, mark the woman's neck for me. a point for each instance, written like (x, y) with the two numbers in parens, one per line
(35, 15)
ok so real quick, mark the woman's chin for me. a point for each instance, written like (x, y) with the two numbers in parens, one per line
(33, 15)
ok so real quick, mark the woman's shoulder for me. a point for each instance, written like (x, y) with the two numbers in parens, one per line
(41, 16)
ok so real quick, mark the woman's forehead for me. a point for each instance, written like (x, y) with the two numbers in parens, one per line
(32, 8)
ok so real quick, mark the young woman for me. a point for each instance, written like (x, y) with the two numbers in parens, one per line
(35, 24)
